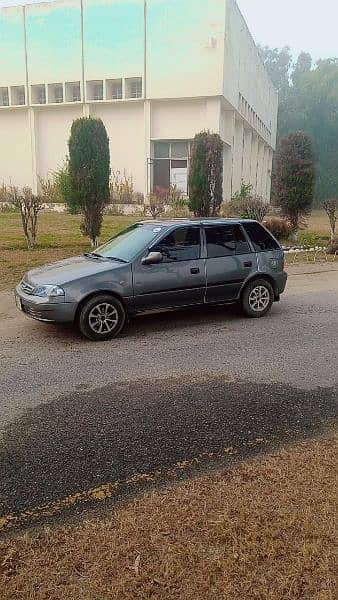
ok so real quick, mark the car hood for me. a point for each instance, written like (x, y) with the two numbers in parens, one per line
(64, 271)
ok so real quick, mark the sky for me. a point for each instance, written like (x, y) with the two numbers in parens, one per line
(309, 25)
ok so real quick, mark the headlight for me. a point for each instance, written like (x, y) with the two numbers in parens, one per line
(48, 291)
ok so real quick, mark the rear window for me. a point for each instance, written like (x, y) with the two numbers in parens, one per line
(260, 237)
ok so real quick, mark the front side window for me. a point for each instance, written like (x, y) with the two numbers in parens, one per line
(225, 240)
(127, 244)
(183, 243)
(260, 237)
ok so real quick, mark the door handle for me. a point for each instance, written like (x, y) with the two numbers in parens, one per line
(194, 270)
(248, 264)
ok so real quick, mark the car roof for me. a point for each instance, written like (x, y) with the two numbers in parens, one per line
(195, 221)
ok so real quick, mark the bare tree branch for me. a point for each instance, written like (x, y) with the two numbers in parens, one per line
(29, 206)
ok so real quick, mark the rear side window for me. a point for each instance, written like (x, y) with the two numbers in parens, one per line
(261, 239)
(225, 240)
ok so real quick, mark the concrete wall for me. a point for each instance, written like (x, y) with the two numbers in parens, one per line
(181, 119)
(52, 129)
(13, 67)
(185, 48)
(114, 37)
(16, 163)
(245, 78)
(53, 34)
(125, 126)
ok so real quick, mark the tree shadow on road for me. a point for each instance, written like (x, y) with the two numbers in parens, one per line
(112, 433)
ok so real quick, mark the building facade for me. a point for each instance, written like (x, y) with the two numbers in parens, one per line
(155, 71)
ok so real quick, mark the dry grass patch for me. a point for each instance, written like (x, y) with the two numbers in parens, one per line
(264, 530)
(59, 237)
(318, 222)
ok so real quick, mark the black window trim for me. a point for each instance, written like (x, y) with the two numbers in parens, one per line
(248, 239)
(170, 230)
(251, 241)
(206, 226)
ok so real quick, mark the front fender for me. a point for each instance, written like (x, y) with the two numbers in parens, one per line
(117, 281)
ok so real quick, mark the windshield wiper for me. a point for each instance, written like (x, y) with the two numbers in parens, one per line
(117, 259)
(92, 255)
(95, 255)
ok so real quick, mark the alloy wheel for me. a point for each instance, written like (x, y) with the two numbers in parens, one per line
(259, 298)
(103, 318)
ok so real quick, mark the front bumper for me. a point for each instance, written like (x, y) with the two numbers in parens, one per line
(50, 310)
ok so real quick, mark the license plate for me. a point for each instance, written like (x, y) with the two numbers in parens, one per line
(18, 303)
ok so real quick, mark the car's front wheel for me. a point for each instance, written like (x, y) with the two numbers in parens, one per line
(101, 318)
(257, 298)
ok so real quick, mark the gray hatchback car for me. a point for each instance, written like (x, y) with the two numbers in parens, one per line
(158, 265)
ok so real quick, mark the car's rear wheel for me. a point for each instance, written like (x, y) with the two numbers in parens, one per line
(257, 298)
(101, 318)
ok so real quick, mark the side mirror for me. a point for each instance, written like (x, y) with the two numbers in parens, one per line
(153, 258)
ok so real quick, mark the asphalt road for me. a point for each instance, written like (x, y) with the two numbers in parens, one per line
(178, 391)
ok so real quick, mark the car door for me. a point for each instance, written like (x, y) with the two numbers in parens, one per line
(229, 261)
(179, 279)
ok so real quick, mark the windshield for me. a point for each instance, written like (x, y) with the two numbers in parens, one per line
(127, 244)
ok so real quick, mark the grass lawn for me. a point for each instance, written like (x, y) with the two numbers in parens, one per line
(59, 237)
(264, 530)
(318, 222)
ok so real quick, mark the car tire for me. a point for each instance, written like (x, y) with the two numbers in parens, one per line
(257, 298)
(101, 318)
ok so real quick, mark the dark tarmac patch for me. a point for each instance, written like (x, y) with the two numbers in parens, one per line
(121, 434)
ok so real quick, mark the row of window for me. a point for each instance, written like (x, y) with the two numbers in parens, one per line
(248, 112)
(184, 243)
(57, 93)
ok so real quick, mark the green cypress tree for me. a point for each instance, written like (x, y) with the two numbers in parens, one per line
(206, 174)
(295, 177)
(89, 173)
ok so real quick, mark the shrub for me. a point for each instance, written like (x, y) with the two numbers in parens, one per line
(244, 193)
(89, 172)
(170, 200)
(175, 195)
(56, 188)
(310, 239)
(168, 196)
(29, 206)
(156, 205)
(3, 193)
(162, 194)
(180, 207)
(64, 188)
(138, 198)
(49, 190)
(251, 207)
(279, 227)
(121, 188)
(294, 178)
(206, 175)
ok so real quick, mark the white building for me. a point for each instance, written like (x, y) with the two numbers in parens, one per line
(155, 71)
